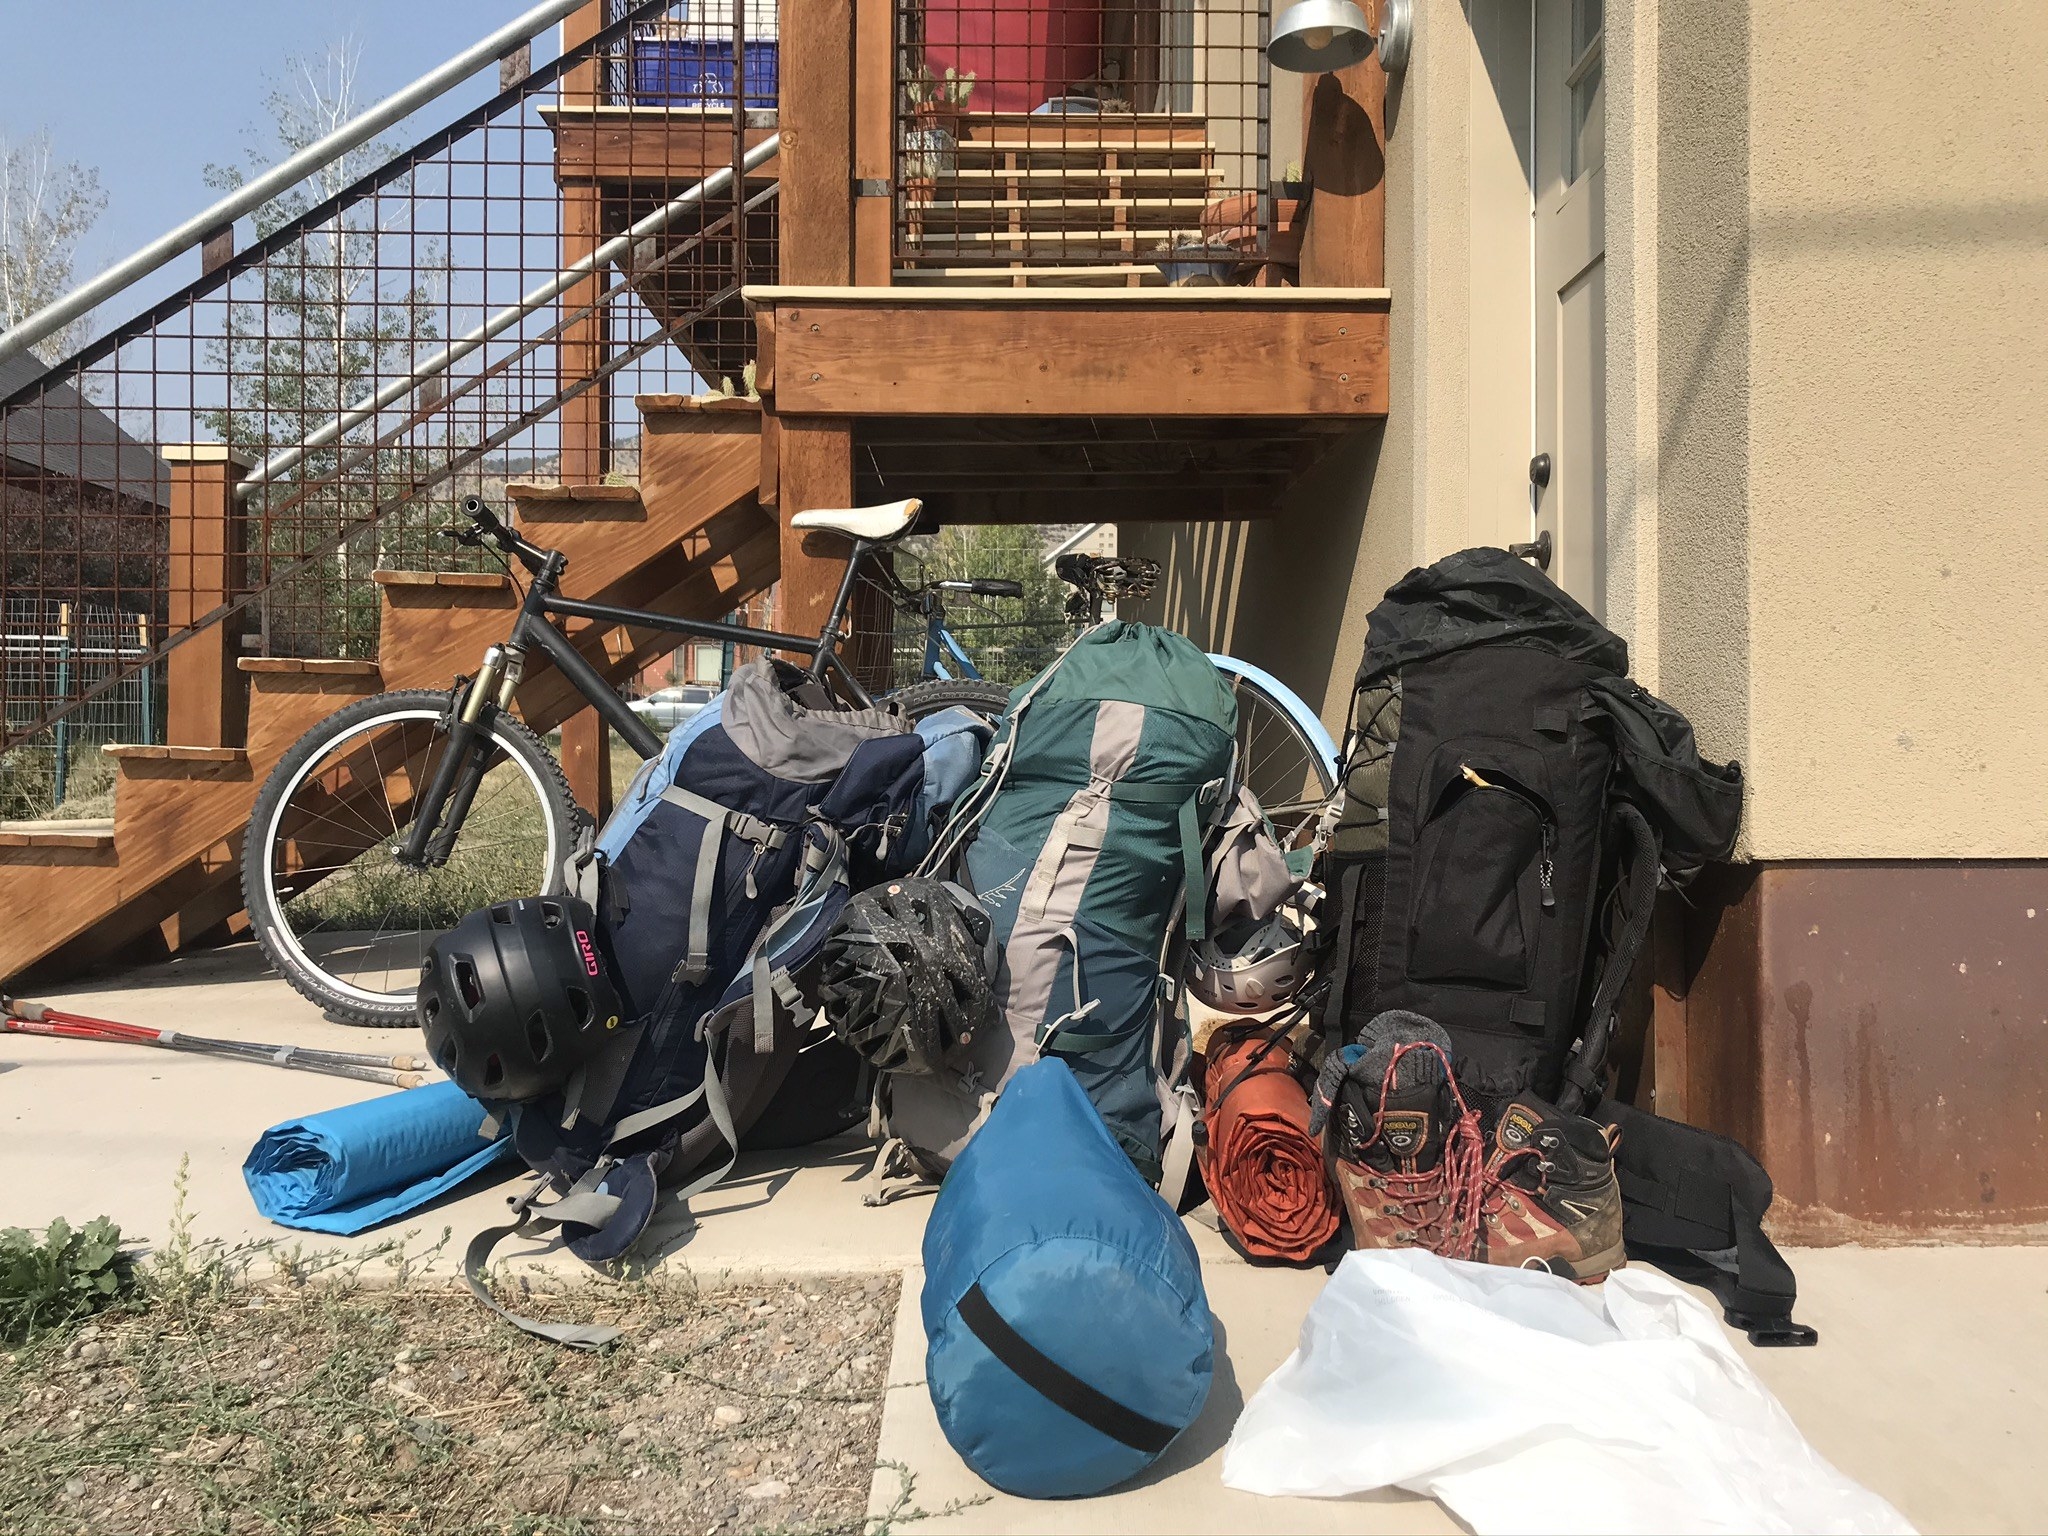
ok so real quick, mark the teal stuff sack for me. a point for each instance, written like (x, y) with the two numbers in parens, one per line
(1068, 1335)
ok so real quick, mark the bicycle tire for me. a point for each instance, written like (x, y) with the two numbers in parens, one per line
(1284, 754)
(274, 933)
(920, 700)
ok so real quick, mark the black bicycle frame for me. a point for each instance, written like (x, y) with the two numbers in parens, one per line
(544, 602)
(443, 807)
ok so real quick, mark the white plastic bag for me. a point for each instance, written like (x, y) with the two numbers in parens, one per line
(1524, 1402)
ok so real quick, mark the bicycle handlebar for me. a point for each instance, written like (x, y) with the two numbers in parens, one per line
(485, 527)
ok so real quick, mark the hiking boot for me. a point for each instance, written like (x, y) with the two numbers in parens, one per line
(1400, 1148)
(1549, 1197)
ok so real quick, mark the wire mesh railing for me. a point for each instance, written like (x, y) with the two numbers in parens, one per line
(64, 650)
(407, 326)
(1009, 640)
(1082, 142)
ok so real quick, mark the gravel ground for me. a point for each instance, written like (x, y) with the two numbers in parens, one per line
(333, 1406)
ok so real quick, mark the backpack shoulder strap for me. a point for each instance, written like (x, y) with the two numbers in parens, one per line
(1693, 1203)
(1635, 897)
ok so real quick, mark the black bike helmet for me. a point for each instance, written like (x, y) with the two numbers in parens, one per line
(906, 976)
(515, 997)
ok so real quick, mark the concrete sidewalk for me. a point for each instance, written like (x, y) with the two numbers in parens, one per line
(1930, 1384)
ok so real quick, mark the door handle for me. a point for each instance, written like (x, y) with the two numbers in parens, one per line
(1539, 471)
(1537, 549)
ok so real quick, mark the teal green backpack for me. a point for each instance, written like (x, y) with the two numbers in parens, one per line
(1083, 840)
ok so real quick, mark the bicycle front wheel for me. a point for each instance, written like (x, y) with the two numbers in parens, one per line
(1283, 753)
(342, 920)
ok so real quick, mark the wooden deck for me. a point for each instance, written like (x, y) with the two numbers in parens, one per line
(1166, 352)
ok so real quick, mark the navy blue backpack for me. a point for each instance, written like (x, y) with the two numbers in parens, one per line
(1068, 1334)
(715, 883)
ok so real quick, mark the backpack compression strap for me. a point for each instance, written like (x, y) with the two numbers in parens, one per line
(718, 821)
(1058, 1385)
(1636, 894)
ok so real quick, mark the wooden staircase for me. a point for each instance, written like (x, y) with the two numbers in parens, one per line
(1070, 201)
(692, 539)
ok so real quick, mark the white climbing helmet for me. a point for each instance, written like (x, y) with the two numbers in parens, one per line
(1254, 972)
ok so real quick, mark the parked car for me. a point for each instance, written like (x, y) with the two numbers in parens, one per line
(667, 708)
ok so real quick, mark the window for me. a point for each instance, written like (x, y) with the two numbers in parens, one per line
(1586, 142)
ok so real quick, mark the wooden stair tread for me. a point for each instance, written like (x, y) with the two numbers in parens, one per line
(131, 752)
(92, 834)
(319, 666)
(490, 581)
(1149, 242)
(523, 492)
(1057, 210)
(1104, 275)
(577, 503)
(736, 405)
(1058, 175)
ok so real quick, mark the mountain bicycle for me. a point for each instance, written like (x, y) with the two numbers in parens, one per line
(388, 821)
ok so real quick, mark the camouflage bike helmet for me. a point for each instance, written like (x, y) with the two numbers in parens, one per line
(908, 973)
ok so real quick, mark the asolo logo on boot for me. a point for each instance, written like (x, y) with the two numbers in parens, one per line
(1517, 1127)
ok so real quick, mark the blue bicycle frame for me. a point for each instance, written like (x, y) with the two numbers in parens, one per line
(941, 650)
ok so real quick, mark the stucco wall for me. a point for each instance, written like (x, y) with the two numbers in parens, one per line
(1898, 430)
(1828, 405)
(1448, 468)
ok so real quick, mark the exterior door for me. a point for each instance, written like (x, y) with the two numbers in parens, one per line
(1570, 293)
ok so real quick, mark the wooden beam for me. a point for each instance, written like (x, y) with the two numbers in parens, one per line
(874, 137)
(817, 47)
(816, 471)
(1038, 505)
(874, 357)
(1345, 165)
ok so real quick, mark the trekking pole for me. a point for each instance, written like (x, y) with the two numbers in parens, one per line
(15, 1007)
(47, 1023)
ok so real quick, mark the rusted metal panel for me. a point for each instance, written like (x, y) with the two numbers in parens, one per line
(1878, 1033)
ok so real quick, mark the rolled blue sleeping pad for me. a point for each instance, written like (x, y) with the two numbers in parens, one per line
(349, 1169)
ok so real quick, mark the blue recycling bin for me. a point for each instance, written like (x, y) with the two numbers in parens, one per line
(698, 72)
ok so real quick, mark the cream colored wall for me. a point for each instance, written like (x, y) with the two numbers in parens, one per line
(1898, 478)
(1449, 466)
(1829, 410)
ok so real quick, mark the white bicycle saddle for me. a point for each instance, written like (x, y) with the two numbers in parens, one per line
(873, 523)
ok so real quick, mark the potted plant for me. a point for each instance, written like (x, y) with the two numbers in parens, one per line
(931, 143)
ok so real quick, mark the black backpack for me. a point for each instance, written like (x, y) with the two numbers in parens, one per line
(1510, 799)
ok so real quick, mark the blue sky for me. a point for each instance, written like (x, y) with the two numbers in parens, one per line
(149, 91)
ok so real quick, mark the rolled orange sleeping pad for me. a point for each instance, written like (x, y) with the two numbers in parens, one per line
(1263, 1168)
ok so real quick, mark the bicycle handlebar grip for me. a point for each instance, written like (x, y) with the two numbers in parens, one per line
(989, 587)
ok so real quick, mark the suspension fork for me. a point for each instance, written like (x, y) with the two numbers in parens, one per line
(440, 811)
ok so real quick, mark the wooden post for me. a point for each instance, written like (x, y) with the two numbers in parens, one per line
(586, 425)
(587, 761)
(814, 455)
(816, 158)
(207, 705)
(586, 420)
(874, 139)
(582, 85)
(816, 471)
(1345, 164)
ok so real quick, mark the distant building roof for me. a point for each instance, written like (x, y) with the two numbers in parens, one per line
(63, 434)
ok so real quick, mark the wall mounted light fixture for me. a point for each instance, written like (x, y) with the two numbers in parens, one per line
(1315, 36)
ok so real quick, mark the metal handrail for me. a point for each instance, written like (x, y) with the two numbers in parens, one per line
(54, 316)
(568, 277)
